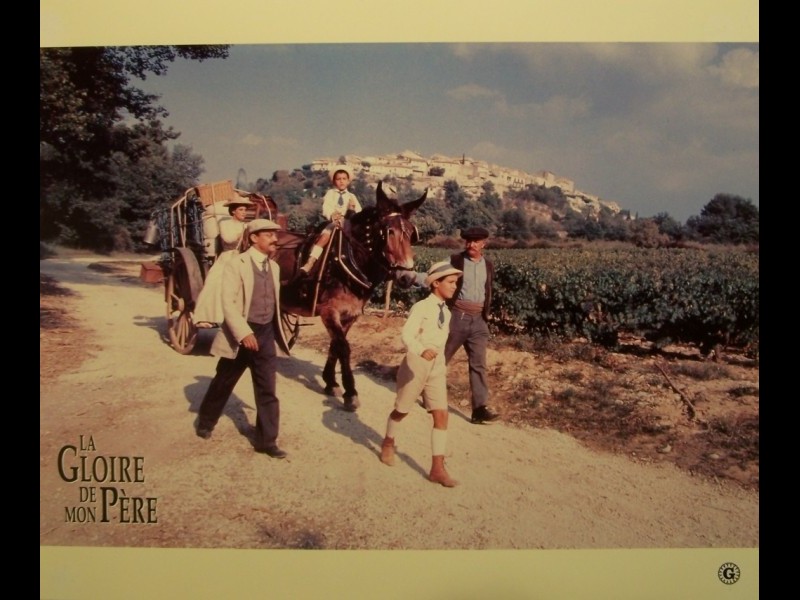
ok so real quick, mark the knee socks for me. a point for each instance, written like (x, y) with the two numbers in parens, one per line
(438, 441)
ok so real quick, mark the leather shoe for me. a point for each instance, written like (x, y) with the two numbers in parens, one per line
(203, 433)
(273, 452)
(482, 414)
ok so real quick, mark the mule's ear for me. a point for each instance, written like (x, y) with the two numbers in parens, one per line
(382, 201)
(409, 208)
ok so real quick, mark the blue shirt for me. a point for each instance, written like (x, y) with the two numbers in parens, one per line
(473, 288)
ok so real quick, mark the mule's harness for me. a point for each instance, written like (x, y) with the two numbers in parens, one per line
(368, 244)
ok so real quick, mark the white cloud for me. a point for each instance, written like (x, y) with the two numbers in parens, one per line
(488, 151)
(560, 108)
(738, 67)
(648, 62)
(251, 140)
(554, 109)
(464, 50)
(274, 141)
(471, 90)
(284, 142)
(654, 60)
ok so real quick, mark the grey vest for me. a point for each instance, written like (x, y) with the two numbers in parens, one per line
(262, 305)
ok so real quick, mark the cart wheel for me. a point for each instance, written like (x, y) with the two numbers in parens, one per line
(182, 331)
(291, 328)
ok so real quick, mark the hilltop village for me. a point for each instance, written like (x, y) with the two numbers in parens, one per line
(470, 175)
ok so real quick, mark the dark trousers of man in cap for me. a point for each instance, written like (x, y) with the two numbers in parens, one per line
(470, 312)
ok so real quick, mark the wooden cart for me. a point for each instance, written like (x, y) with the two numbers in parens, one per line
(185, 233)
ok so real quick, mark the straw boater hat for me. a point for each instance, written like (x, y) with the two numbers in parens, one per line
(257, 225)
(439, 270)
(337, 168)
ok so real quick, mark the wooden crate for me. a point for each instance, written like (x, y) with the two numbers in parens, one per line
(220, 191)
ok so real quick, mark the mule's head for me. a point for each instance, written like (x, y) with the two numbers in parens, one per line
(398, 234)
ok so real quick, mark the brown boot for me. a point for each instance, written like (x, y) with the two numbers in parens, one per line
(439, 473)
(387, 451)
(306, 268)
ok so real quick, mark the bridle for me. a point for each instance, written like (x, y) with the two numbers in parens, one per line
(372, 232)
(407, 230)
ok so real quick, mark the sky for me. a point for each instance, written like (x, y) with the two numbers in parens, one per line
(654, 127)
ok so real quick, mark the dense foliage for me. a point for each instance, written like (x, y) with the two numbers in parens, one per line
(104, 155)
(727, 219)
(701, 297)
(525, 216)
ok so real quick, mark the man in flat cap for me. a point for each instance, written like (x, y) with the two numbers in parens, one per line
(247, 338)
(470, 311)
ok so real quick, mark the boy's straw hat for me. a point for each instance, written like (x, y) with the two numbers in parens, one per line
(337, 168)
(439, 270)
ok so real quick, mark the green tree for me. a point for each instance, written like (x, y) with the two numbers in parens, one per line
(363, 190)
(645, 233)
(89, 113)
(726, 219)
(489, 198)
(454, 197)
(437, 210)
(545, 230)
(549, 196)
(514, 225)
(472, 214)
(142, 174)
(427, 227)
(669, 226)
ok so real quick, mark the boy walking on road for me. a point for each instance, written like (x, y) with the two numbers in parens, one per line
(423, 370)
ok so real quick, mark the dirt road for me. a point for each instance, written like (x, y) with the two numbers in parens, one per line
(136, 398)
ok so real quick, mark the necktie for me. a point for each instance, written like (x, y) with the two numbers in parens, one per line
(341, 199)
(441, 315)
(265, 265)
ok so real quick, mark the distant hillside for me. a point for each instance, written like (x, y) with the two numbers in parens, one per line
(470, 174)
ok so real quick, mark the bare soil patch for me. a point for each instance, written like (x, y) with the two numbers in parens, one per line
(618, 402)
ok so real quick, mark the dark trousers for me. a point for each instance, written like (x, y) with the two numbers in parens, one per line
(262, 370)
(471, 332)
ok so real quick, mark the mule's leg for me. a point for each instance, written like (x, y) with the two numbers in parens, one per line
(333, 325)
(329, 373)
(338, 324)
(348, 381)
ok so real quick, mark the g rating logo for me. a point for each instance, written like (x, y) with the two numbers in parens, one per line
(729, 573)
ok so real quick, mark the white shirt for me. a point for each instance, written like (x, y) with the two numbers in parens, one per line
(258, 258)
(330, 203)
(231, 231)
(422, 329)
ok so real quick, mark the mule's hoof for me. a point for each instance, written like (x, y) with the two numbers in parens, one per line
(351, 404)
(335, 391)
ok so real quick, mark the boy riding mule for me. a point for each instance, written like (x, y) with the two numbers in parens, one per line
(373, 246)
